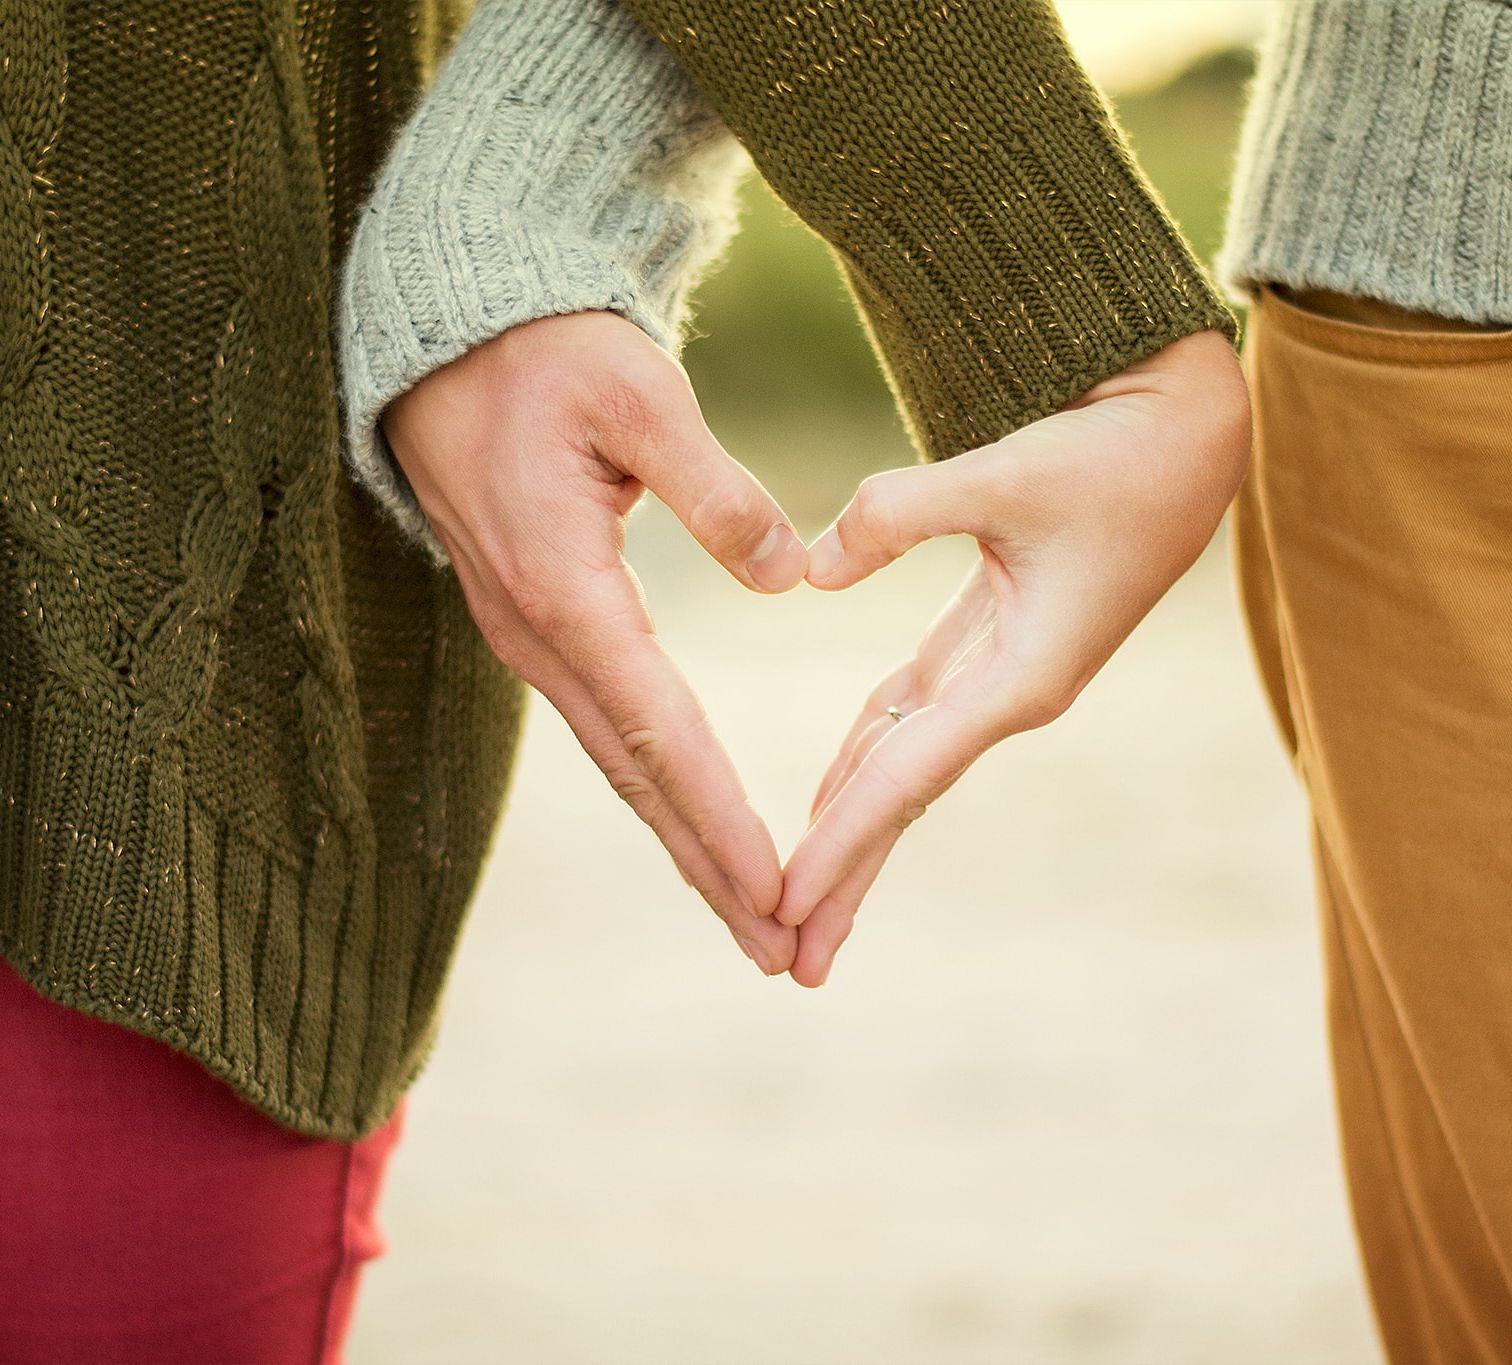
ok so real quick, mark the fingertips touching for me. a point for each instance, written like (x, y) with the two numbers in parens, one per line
(832, 920)
(779, 562)
(771, 946)
(825, 556)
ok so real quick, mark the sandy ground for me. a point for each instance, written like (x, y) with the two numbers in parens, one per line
(1064, 1098)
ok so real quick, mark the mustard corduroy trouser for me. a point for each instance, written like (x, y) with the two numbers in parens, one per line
(1373, 540)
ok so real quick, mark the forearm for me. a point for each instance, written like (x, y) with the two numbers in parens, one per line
(1004, 247)
(561, 161)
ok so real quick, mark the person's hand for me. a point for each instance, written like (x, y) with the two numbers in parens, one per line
(1084, 519)
(527, 455)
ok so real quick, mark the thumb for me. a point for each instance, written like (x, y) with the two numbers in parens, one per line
(892, 512)
(666, 444)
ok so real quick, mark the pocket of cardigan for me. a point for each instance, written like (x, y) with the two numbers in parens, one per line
(1368, 329)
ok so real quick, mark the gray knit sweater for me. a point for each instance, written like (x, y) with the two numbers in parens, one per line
(1376, 156)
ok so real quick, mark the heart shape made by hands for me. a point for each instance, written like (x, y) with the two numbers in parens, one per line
(529, 452)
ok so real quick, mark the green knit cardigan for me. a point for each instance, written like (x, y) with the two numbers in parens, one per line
(252, 748)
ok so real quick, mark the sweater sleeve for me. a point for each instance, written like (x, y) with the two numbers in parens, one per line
(561, 160)
(1374, 156)
(1006, 252)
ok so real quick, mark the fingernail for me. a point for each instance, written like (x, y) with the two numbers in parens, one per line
(748, 947)
(779, 560)
(825, 554)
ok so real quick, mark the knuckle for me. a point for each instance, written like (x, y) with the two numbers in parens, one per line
(908, 805)
(507, 644)
(632, 393)
(499, 638)
(648, 751)
(726, 512)
(549, 597)
(1044, 701)
(659, 755)
(873, 510)
(633, 789)
(543, 611)
(908, 812)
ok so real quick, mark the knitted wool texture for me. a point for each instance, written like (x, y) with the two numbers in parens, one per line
(1375, 153)
(1006, 252)
(560, 161)
(252, 746)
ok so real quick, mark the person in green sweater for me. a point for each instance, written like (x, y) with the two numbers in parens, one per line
(257, 723)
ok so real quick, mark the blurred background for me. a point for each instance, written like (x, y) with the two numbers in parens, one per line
(1064, 1097)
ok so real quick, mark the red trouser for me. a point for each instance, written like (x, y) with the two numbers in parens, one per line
(148, 1214)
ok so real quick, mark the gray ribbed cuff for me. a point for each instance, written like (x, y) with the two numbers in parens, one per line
(1375, 156)
(561, 161)
(401, 326)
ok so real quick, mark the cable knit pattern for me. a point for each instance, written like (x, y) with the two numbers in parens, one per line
(243, 794)
(1375, 156)
(561, 161)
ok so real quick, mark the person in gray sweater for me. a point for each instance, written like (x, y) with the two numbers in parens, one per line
(1370, 228)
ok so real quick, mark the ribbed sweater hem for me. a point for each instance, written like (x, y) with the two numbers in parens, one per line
(286, 972)
(1374, 157)
(237, 1074)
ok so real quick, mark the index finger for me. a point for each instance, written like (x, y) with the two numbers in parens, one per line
(610, 642)
(904, 772)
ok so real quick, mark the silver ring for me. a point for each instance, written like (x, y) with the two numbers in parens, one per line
(894, 713)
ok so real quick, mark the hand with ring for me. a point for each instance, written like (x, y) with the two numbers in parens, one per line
(1083, 520)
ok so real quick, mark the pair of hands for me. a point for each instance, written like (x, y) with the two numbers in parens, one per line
(528, 453)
